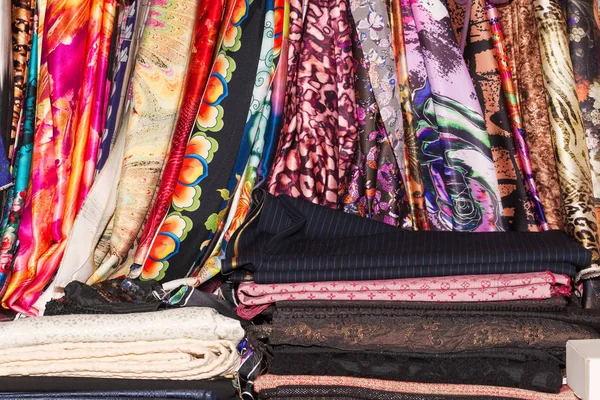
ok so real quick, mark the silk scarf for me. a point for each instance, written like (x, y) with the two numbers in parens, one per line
(208, 22)
(157, 85)
(479, 57)
(58, 113)
(414, 182)
(319, 136)
(567, 131)
(375, 37)
(193, 215)
(452, 137)
(375, 189)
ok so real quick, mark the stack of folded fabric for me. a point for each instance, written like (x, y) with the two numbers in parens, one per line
(481, 315)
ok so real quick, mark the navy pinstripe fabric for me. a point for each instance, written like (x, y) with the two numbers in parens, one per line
(288, 240)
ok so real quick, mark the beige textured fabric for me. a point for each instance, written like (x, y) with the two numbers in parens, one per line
(187, 343)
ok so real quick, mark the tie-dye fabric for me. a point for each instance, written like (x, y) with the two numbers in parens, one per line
(206, 29)
(584, 45)
(414, 182)
(457, 168)
(375, 190)
(319, 135)
(567, 128)
(210, 156)
(157, 85)
(479, 56)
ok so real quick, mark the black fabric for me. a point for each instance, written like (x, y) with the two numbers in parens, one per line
(286, 240)
(543, 376)
(553, 309)
(352, 393)
(221, 386)
(116, 395)
(198, 298)
(115, 296)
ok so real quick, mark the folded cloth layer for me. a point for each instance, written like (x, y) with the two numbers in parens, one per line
(471, 288)
(267, 382)
(425, 335)
(116, 395)
(287, 240)
(189, 343)
(542, 376)
(221, 386)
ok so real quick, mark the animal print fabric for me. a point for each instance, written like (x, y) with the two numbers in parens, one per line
(567, 130)
(319, 135)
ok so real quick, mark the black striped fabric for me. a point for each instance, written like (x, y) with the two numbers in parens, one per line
(286, 240)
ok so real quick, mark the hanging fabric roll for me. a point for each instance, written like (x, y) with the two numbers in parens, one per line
(157, 85)
(375, 190)
(57, 106)
(319, 136)
(457, 169)
(479, 57)
(22, 167)
(568, 133)
(208, 22)
(79, 131)
(22, 20)
(251, 152)
(6, 90)
(210, 158)
(375, 37)
(414, 181)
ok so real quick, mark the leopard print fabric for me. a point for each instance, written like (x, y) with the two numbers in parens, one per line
(319, 136)
(22, 29)
(567, 125)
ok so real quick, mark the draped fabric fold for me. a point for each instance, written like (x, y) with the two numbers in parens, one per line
(319, 134)
(461, 187)
(206, 29)
(6, 90)
(157, 86)
(567, 128)
(479, 57)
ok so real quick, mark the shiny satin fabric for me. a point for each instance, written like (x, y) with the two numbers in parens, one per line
(206, 29)
(567, 131)
(318, 139)
(6, 90)
(157, 86)
(479, 57)
(451, 125)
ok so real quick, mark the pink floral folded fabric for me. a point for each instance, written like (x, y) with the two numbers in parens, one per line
(265, 382)
(255, 298)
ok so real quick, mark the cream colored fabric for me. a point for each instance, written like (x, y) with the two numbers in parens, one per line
(187, 343)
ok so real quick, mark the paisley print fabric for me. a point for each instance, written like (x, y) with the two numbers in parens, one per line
(206, 29)
(319, 135)
(567, 130)
(375, 190)
(534, 109)
(196, 209)
(479, 57)
(22, 24)
(414, 182)
(375, 37)
(584, 46)
(156, 86)
(460, 181)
